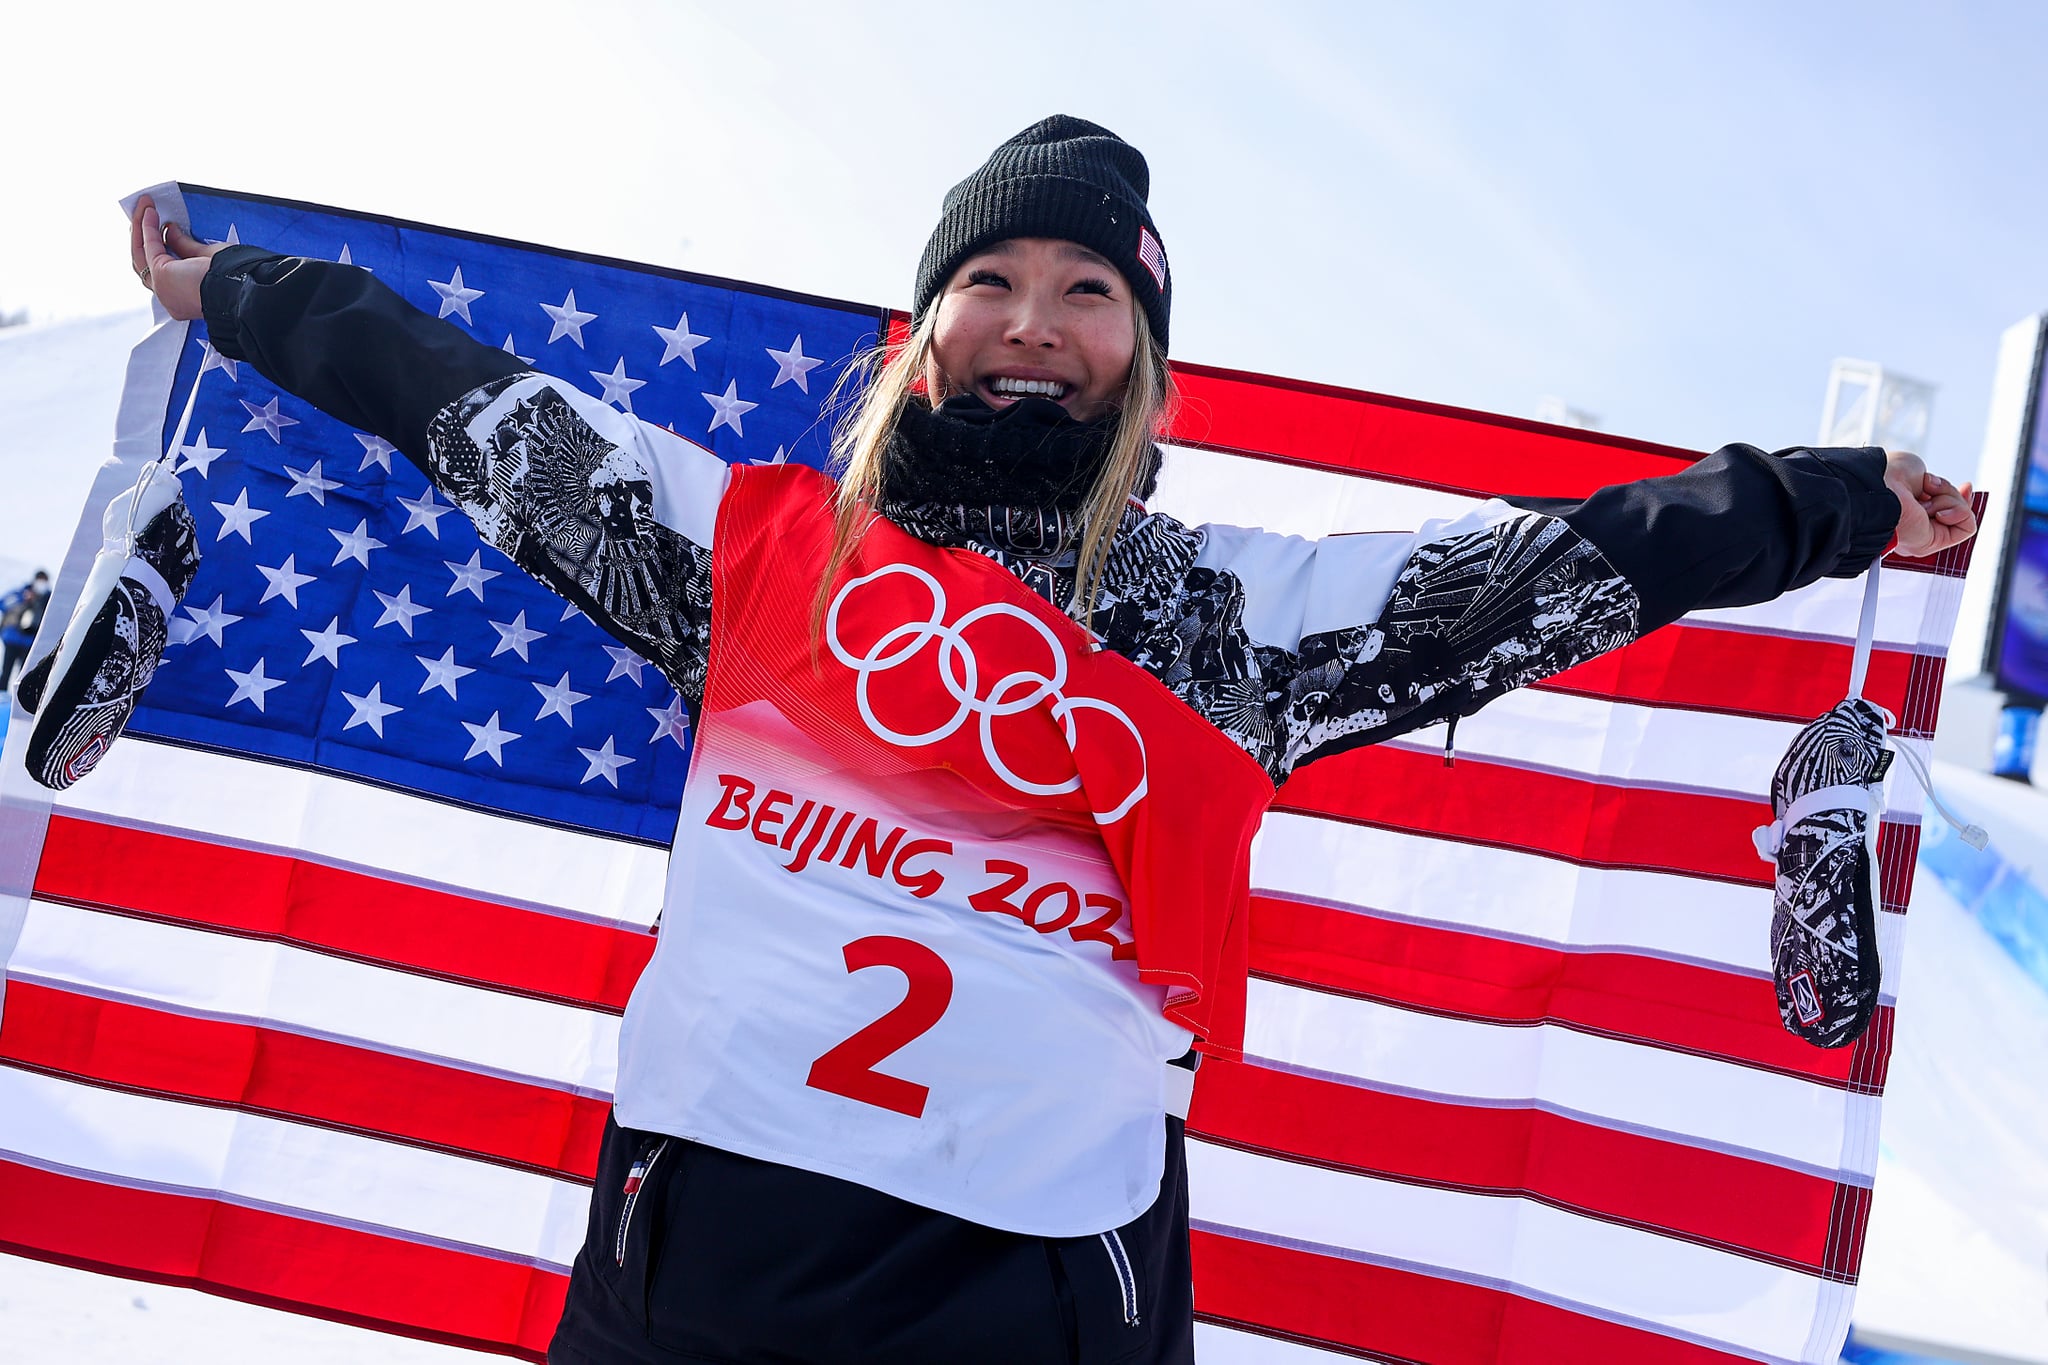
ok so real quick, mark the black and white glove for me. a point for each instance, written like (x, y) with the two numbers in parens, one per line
(82, 692)
(1828, 795)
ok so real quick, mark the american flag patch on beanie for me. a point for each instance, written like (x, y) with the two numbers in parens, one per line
(1154, 258)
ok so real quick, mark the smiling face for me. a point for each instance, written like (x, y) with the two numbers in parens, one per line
(1034, 317)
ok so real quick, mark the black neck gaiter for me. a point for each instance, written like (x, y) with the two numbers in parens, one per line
(1013, 478)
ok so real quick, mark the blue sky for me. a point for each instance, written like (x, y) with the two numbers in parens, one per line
(1673, 215)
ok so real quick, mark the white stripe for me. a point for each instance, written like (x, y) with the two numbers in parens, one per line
(1694, 1100)
(252, 804)
(1552, 1254)
(266, 1162)
(247, 980)
(1200, 486)
(1216, 1345)
(1627, 742)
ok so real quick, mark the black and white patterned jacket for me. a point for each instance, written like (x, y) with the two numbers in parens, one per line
(1294, 648)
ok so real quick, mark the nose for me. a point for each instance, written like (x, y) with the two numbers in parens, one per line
(1033, 324)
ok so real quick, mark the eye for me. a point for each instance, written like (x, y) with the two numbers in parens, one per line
(989, 277)
(1092, 285)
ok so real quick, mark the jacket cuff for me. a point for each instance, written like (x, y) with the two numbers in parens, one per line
(1873, 507)
(220, 295)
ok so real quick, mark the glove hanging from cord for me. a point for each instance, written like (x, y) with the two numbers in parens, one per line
(1828, 799)
(82, 692)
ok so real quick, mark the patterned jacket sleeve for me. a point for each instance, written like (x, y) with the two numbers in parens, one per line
(1356, 638)
(613, 513)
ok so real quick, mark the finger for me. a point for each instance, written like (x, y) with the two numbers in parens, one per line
(154, 253)
(135, 257)
(183, 242)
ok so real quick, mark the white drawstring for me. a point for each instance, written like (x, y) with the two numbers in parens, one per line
(1973, 835)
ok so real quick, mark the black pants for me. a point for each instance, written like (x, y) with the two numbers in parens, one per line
(721, 1257)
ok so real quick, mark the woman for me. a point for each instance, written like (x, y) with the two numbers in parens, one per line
(911, 755)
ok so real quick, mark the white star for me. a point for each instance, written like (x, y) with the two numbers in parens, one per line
(267, 419)
(285, 581)
(443, 672)
(200, 456)
(309, 482)
(488, 738)
(455, 297)
(424, 511)
(515, 636)
(469, 577)
(680, 342)
(568, 322)
(570, 609)
(326, 644)
(604, 763)
(344, 258)
(559, 700)
(507, 349)
(234, 238)
(781, 456)
(673, 722)
(399, 608)
(728, 408)
(624, 661)
(369, 710)
(376, 450)
(210, 359)
(238, 516)
(793, 365)
(618, 387)
(252, 686)
(355, 544)
(209, 621)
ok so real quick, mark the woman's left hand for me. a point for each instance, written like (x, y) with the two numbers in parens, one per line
(1933, 513)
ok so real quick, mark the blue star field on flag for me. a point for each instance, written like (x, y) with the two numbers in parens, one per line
(347, 619)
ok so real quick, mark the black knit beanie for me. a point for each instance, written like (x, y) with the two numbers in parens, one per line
(1062, 177)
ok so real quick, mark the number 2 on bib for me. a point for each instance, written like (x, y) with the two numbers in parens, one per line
(849, 1068)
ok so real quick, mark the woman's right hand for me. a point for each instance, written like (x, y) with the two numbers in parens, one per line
(170, 262)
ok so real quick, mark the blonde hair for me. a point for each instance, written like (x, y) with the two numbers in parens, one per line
(873, 391)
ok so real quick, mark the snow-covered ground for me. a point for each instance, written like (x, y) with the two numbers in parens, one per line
(59, 386)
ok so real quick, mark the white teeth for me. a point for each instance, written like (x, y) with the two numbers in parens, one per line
(1028, 388)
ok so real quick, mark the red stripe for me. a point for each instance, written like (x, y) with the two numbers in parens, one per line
(270, 1071)
(1403, 439)
(1432, 445)
(342, 1274)
(351, 914)
(1743, 673)
(1585, 820)
(1752, 1208)
(1676, 1005)
(1404, 1315)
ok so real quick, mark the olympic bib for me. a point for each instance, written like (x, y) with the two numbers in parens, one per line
(950, 889)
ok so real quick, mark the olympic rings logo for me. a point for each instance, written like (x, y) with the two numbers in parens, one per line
(960, 674)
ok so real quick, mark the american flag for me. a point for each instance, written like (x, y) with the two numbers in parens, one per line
(316, 993)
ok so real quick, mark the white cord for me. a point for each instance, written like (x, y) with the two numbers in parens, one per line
(166, 461)
(1973, 835)
(1866, 632)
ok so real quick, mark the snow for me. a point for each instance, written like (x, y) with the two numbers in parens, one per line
(59, 387)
